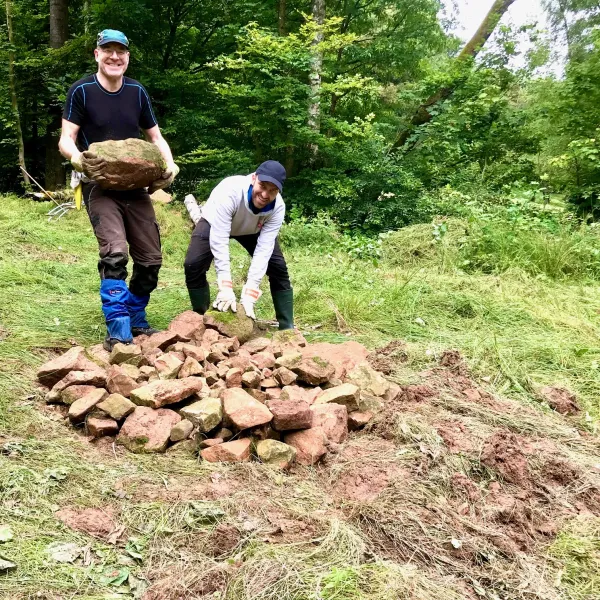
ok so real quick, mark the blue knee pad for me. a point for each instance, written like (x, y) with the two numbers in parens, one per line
(136, 306)
(114, 295)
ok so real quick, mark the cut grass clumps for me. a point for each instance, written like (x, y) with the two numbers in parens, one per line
(577, 548)
(497, 247)
(494, 245)
(432, 244)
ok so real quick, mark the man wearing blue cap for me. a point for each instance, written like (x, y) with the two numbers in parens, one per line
(249, 209)
(109, 106)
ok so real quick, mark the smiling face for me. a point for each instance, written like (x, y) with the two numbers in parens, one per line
(263, 192)
(112, 59)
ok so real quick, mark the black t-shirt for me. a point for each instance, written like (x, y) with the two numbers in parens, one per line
(104, 115)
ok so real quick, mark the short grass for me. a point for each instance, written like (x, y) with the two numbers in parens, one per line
(517, 331)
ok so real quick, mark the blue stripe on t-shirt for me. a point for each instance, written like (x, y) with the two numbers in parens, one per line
(141, 89)
(82, 86)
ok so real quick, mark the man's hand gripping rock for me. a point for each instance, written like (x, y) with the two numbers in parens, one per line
(226, 297)
(166, 179)
(90, 164)
(248, 299)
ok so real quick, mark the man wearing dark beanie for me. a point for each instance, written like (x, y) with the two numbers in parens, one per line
(249, 209)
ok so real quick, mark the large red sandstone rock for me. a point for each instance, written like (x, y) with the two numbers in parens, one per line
(358, 419)
(99, 355)
(251, 379)
(97, 378)
(72, 360)
(116, 406)
(75, 392)
(75, 379)
(263, 360)
(314, 370)
(162, 340)
(332, 419)
(195, 352)
(84, 405)
(344, 356)
(284, 376)
(257, 345)
(295, 393)
(346, 394)
(241, 360)
(167, 365)
(129, 164)
(118, 382)
(127, 354)
(101, 426)
(210, 337)
(190, 368)
(236, 451)
(273, 452)
(188, 324)
(233, 378)
(309, 443)
(148, 430)
(290, 414)
(242, 410)
(160, 393)
(368, 379)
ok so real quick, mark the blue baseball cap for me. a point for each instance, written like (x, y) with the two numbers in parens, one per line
(273, 172)
(112, 35)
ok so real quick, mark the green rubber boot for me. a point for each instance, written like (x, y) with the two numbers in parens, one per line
(284, 308)
(200, 299)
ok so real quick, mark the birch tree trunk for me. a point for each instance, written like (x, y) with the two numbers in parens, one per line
(471, 50)
(314, 78)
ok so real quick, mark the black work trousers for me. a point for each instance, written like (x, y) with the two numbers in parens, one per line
(125, 224)
(199, 258)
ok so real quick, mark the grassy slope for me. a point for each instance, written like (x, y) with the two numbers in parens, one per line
(518, 331)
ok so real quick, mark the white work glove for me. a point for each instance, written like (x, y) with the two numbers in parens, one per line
(226, 296)
(166, 179)
(248, 299)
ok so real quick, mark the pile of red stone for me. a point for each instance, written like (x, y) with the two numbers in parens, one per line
(278, 398)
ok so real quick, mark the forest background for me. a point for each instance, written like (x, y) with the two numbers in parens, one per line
(381, 115)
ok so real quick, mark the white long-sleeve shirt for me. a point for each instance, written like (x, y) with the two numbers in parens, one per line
(229, 215)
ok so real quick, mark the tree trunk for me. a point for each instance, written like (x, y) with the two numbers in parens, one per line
(54, 172)
(281, 17)
(314, 78)
(471, 50)
(59, 22)
(13, 91)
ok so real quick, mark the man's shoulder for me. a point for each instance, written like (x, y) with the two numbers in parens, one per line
(88, 79)
(132, 82)
(233, 183)
(235, 180)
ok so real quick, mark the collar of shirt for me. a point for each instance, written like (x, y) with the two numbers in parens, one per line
(268, 208)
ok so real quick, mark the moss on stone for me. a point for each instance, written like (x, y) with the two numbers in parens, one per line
(285, 336)
(131, 148)
(320, 361)
(223, 317)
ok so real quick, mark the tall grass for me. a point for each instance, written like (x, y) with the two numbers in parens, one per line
(517, 330)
